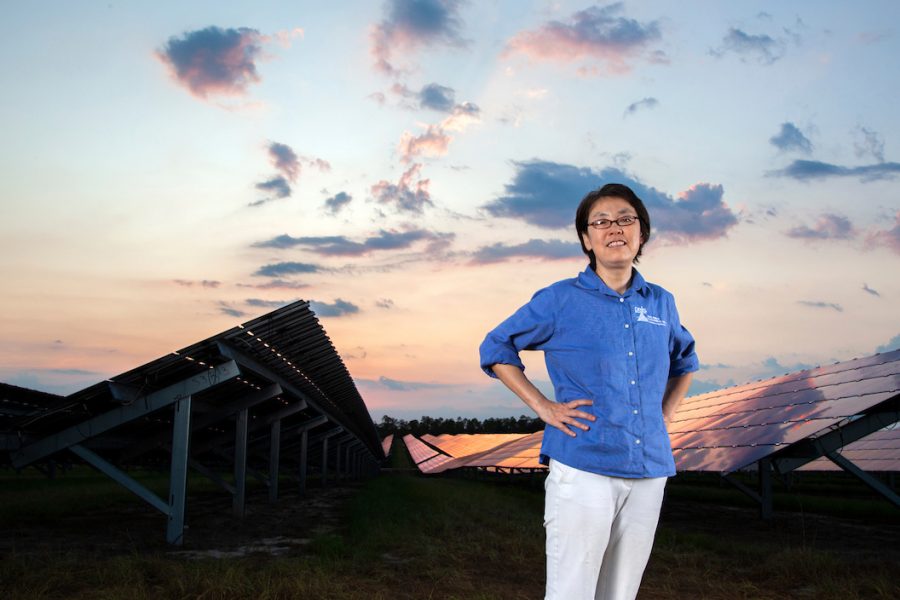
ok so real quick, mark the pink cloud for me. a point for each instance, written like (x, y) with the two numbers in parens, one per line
(409, 194)
(214, 60)
(596, 33)
(410, 24)
(889, 238)
(433, 142)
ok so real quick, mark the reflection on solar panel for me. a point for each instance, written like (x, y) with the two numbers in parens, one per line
(418, 451)
(386, 444)
(267, 393)
(731, 429)
(491, 452)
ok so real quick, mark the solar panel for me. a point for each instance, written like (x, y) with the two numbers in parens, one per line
(386, 444)
(418, 451)
(730, 429)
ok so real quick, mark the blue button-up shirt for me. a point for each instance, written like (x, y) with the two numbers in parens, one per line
(618, 350)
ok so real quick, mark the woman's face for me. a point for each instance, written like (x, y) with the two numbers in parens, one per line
(615, 247)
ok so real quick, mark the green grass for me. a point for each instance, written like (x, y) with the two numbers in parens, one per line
(409, 536)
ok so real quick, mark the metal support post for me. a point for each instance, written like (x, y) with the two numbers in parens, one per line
(240, 463)
(181, 437)
(304, 453)
(347, 468)
(765, 487)
(324, 462)
(274, 449)
(337, 461)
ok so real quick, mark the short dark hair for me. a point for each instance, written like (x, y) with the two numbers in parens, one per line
(611, 190)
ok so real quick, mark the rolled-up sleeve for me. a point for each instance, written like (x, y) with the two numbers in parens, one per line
(682, 356)
(529, 328)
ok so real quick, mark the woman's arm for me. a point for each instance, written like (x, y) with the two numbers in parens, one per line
(557, 414)
(676, 389)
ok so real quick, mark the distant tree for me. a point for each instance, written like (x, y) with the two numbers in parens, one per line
(439, 425)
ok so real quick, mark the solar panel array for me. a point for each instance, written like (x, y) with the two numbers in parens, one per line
(386, 444)
(271, 391)
(732, 428)
(287, 344)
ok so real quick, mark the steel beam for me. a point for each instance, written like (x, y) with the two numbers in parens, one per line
(866, 478)
(211, 475)
(304, 438)
(181, 437)
(123, 414)
(120, 477)
(274, 449)
(202, 421)
(225, 439)
(240, 463)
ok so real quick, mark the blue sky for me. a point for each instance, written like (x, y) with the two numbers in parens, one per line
(412, 167)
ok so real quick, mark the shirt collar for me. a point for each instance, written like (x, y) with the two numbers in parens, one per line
(588, 279)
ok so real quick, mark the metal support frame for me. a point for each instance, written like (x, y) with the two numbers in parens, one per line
(240, 463)
(866, 478)
(181, 438)
(139, 407)
(301, 475)
(211, 475)
(175, 507)
(274, 449)
(204, 420)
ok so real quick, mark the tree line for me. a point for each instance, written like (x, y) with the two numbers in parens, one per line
(439, 425)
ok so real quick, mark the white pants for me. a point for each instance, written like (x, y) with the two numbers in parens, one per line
(599, 533)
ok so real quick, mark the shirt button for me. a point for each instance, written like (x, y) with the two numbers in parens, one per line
(632, 382)
(631, 354)
(621, 299)
(634, 411)
(637, 441)
(626, 325)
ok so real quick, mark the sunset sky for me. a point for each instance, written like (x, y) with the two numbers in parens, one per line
(412, 167)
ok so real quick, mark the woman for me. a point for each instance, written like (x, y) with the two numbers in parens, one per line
(620, 363)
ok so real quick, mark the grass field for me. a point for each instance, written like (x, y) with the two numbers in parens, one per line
(405, 536)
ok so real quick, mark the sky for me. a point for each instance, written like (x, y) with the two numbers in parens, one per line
(412, 168)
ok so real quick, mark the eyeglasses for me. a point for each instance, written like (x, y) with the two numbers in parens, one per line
(621, 222)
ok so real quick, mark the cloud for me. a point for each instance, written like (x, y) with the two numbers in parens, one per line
(384, 303)
(436, 139)
(893, 344)
(338, 308)
(871, 144)
(397, 385)
(229, 310)
(433, 142)
(869, 290)
(827, 227)
(820, 304)
(635, 106)
(275, 284)
(285, 160)
(289, 164)
(286, 268)
(764, 48)
(410, 194)
(791, 138)
(214, 60)
(437, 97)
(702, 386)
(542, 249)
(771, 367)
(597, 33)
(260, 303)
(889, 238)
(207, 283)
(335, 203)
(546, 194)
(343, 246)
(804, 170)
(410, 24)
(278, 186)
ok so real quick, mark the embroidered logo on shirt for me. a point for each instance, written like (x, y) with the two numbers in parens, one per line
(643, 317)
